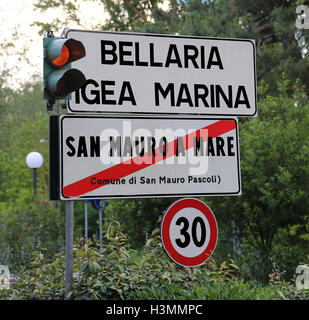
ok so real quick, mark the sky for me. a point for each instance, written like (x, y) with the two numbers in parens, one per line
(17, 16)
(16, 21)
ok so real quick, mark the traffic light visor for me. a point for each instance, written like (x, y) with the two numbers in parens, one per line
(71, 80)
(63, 82)
(76, 50)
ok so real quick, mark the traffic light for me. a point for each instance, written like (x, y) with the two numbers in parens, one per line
(59, 79)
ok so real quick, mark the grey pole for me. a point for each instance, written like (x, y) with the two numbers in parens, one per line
(34, 182)
(69, 248)
(86, 220)
(100, 221)
(51, 35)
(233, 233)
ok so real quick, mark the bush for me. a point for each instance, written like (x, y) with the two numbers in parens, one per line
(114, 272)
(22, 231)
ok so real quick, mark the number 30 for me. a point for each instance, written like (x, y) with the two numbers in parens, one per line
(184, 232)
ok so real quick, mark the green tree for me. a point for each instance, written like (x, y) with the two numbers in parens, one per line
(25, 223)
(280, 46)
(138, 216)
(274, 167)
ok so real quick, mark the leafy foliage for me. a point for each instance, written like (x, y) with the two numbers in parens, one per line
(274, 167)
(111, 273)
(25, 223)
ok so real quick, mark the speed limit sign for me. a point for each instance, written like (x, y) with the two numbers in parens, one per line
(189, 232)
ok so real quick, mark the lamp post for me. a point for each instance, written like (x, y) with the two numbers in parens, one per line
(34, 160)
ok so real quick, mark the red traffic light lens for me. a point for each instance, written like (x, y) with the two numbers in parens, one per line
(63, 58)
(61, 52)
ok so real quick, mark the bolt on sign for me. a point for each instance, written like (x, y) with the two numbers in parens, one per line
(164, 74)
(136, 157)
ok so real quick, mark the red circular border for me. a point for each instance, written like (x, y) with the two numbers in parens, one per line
(165, 226)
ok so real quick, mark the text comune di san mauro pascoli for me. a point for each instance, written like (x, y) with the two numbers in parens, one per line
(215, 179)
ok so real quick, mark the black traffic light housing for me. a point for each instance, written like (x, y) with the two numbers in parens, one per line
(59, 79)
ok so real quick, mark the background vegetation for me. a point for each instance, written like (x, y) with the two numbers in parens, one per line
(263, 234)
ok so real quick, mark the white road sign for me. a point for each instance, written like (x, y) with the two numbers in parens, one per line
(189, 232)
(127, 157)
(164, 74)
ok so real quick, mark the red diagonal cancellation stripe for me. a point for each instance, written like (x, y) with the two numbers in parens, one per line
(135, 164)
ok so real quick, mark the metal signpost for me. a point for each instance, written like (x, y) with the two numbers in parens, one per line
(86, 219)
(148, 116)
(100, 205)
(69, 247)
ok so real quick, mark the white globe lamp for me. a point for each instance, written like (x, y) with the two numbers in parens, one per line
(34, 161)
